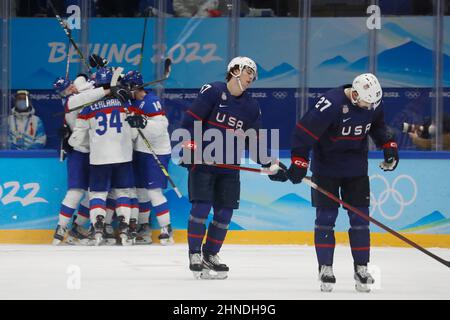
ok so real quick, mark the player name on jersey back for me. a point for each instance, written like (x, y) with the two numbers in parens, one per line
(110, 136)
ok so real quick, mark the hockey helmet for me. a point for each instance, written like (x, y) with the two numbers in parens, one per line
(368, 90)
(132, 79)
(243, 62)
(103, 76)
(61, 84)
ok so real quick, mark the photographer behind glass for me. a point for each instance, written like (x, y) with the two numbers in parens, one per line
(26, 130)
(422, 135)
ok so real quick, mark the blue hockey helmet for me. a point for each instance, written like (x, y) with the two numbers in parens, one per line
(102, 76)
(61, 84)
(133, 79)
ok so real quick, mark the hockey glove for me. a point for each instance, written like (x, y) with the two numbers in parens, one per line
(95, 61)
(65, 132)
(136, 121)
(298, 169)
(278, 171)
(390, 151)
(121, 93)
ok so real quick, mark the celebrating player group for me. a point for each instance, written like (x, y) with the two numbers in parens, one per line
(116, 141)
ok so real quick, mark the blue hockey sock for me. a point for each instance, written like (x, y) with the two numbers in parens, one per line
(359, 235)
(196, 226)
(217, 230)
(324, 239)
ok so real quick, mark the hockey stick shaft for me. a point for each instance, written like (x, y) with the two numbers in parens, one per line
(68, 34)
(313, 185)
(167, 69)
(141, 58)
(161, 166)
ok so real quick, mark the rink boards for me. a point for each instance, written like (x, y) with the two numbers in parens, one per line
(412, 200)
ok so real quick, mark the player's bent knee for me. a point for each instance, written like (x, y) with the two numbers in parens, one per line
(156, 196)
(73, 197)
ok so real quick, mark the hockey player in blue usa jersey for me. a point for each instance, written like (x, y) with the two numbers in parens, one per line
(224, 107)
(337, 130)
(149, 178)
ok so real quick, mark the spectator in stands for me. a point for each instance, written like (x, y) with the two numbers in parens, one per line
(26, 130)
(422, 136)
(117, 8)
(206, 8)
(151, 8)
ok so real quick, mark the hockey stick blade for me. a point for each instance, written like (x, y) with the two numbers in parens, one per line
(167, 70)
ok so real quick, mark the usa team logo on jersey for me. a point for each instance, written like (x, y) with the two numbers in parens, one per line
(345, 109)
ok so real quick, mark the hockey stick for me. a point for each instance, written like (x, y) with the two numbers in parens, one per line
(146, 12)
(167, 70)
(69, 34)
(114, 79)
(313, 185)
(62, 152)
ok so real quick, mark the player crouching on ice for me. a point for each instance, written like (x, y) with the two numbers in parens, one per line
(149, 117)
(337, 130)
(224, 107)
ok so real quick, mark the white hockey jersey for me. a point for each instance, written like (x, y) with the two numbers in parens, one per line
(110, 136)
(157, 124)
(76, 100)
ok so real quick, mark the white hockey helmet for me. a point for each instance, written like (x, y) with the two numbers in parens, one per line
(243, 62)
(368, 88)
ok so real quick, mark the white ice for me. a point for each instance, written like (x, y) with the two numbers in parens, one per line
(256, 272)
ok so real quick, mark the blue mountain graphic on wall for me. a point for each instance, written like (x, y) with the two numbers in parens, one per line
(432, 220)
(410, 58)
(290, 200)
(44, 75)
(281, 69)
(334, 62)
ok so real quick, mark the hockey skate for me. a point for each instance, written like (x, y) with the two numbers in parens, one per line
(166, 236)
(213, 268)
(326, 278)
(124, 232)
(77, 235)
(59, 235)
(195, 264)
(363, 279)
(132, 230)
(96, 233)
(144, 234)
(110, 239)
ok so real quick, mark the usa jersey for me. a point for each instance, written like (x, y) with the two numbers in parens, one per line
(338, 131)
(217, 109)
(156, 128)
(110, 136)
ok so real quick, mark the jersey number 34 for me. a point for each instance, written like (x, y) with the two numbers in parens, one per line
(114, 122)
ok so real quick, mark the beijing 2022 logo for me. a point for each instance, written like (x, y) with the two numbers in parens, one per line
(402, 196)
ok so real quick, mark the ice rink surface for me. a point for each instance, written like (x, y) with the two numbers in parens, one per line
(256, 272)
